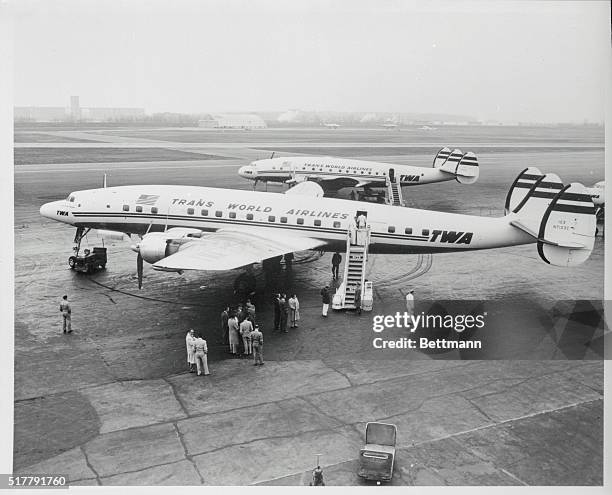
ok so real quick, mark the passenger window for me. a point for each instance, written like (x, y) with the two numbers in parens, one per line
(218, 213)
(126, 208)
(283, 219)
(190, 211)
(408, 230)
(391, 229)
(154, 209)
(271, 218)
(249, 216)
(139, 209)
(425, 232)
(317, 223)
(336, 225)
(232, 214)
(204, 213)
(300, 221)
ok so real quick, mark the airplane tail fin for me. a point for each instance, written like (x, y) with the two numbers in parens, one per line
(560, 218)
(464, 166)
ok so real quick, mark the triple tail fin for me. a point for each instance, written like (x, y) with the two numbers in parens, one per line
(560, 218)
(464, 166)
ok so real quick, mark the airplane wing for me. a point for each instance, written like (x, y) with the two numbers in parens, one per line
(228, 249)
(334, 182)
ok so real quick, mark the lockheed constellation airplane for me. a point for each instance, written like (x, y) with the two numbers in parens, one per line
(203, 228)
(336, 173)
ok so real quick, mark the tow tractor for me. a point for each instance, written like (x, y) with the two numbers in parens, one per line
(89, 262)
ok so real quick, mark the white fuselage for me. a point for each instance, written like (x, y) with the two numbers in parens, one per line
(323, 168)
(154, 208)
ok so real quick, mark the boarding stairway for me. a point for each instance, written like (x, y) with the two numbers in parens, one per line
(357, 243)
(394, 193)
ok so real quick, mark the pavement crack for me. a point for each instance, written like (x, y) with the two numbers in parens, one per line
(340, 373)
(89, 465)
(321, 412)
(187, 455)
(177, 397)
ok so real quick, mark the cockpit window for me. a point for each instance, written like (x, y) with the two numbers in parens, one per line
(71, 199)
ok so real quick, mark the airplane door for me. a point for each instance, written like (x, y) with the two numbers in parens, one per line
(392, 174)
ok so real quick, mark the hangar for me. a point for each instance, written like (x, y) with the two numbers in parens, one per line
(232, 121)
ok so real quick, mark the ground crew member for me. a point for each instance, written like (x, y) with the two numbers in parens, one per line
(246, 327)
(336, 260)
(66, 311)
(325, 298)
(294, 310)
(224, 327)
(250, 308)
(201, 358)
(410, 302)
(358, 298)
(257, 342)
(284, 312)
(288, 260)
(190, 344)
(276, 312)
(317, 477)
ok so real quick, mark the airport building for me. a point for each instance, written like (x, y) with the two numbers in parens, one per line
(75, 113)
(232, 121)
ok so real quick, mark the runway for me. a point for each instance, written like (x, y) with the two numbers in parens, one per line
(112, 403)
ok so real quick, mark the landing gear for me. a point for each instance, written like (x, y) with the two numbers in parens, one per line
(89, 262)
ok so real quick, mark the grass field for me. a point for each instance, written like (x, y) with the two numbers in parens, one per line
(29, 156)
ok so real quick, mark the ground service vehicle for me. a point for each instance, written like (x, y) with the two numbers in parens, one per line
(376, 459)
(90, 261)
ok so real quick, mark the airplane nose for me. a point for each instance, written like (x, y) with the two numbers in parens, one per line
(241, 171)
(48, 210)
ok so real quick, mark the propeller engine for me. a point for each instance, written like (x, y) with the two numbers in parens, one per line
(159, 245)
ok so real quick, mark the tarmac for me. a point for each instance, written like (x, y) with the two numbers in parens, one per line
(113, 404)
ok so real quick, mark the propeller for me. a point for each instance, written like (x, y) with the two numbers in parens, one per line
(139, 263)
(139, 269)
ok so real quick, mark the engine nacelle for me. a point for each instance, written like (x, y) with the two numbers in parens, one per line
(158, 245)
(110, 234)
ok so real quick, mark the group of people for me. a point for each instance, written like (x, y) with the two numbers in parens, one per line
(197, 350)
(286, 311)
(239, 330)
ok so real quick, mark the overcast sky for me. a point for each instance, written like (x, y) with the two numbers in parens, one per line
(511, 61)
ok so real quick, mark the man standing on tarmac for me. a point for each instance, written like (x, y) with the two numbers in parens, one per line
(201, 358)
(336, 260)
(224, 326)
(257, 342)
(325, 298)
(66, 311)
(358, 298)
(277, 312)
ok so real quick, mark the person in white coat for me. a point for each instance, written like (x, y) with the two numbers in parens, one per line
(410, 302)
(190, 344)
(294, 310)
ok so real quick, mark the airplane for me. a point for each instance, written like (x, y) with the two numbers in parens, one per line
(333, 174)
(598, 193)
(211, 229)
